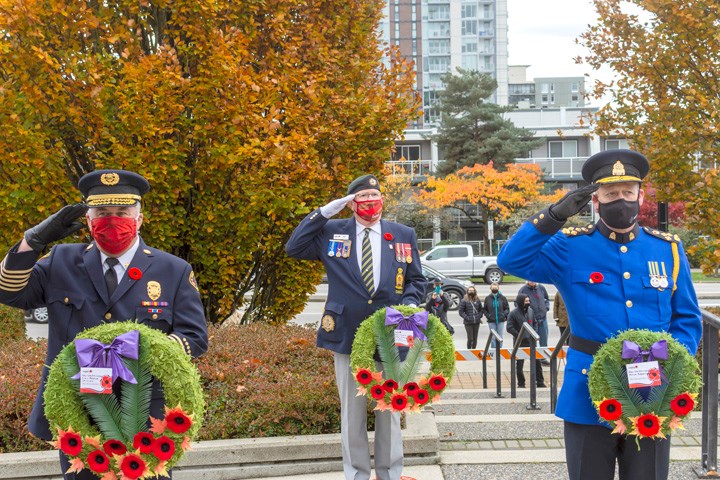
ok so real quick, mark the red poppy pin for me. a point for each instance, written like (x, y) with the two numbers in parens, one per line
(135, 273)
(388, 237)
(596, 277)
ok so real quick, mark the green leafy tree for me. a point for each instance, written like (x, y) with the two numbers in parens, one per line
(665, 56)
(472, 130)
(243, 115)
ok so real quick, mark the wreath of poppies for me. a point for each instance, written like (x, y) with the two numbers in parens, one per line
(116, 438)
(646, 412)
(398, 387)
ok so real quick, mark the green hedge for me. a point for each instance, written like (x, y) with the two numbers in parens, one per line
(12, 324)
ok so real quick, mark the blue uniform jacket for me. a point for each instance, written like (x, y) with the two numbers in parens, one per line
(70, 282)
(348, 301)
(624, 299)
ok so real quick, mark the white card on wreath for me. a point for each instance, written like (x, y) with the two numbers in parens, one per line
(403, 338)
(96, 380)
(643, 374)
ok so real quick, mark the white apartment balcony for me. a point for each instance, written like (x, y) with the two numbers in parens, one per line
(562, 168)
(414, 168)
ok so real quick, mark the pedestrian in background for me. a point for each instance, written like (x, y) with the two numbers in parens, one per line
(438, 304)
(560, 313)
(540, 303)
(471, 311)
(523, 313)
(496, 310)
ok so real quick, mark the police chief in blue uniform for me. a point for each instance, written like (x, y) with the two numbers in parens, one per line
(644, 283)
(370, 264)
(86, 285)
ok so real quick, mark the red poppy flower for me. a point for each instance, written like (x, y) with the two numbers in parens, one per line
(177, 421)
(70, 443)
(106, 382)
(596, 277)
(144, 441)
(114, 447)
(377, 391)
(648, 425)
(133, 466)
(363, 376)
(437, 382)
(98, 461)
(653, 374)
(135, 273)
(682, 404)
(610, 410)
(390, 385)
(399, 401)
(421, 397)
(411, 388)
(164, 448)
(388, 236)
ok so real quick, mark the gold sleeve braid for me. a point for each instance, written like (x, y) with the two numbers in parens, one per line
(182, 342)
(676, 265)
(13, 280)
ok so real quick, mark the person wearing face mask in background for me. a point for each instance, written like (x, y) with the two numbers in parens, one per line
(496, 310)
(523, 313)
(613, 276)
(471, 311)
(370, 264)
(108, 280)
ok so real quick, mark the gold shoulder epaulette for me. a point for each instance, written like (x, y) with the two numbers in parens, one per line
(575, 231)
(667, 236)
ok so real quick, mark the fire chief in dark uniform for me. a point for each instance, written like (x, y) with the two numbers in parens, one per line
(370, 264)
(115, 278)
(642, 281)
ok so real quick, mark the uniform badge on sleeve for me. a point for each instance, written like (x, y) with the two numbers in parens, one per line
(192, 280)
(154, 290)
(328, 323)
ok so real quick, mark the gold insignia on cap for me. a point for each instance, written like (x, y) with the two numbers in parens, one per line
(328, 323)
(192, 280)
(372, 182)
(153, 290)
(618, 169)
(109, 179)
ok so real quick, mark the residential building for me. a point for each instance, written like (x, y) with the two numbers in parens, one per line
(544, 92)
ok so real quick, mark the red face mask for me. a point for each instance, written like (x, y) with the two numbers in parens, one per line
(369, 210)
(113, 234)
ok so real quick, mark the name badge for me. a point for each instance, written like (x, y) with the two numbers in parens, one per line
(643, 374)
(339, 236)
(96, 380)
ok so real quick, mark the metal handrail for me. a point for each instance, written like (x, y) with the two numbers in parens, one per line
(498, 345)
(711, 325)
(526, 329)
(554, 369)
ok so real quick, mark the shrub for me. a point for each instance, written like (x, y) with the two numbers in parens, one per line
(12, 324)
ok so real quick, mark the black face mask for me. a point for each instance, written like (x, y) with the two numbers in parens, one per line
(525, 307)
(620, 213)
(494, 290)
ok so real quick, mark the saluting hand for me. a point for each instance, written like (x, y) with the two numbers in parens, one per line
(572, 202)
(56, 227)
(336, 206)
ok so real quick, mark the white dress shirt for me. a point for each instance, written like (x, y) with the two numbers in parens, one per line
(124, 260)
(376, 245)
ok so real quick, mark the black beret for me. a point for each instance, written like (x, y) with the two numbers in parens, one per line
(614, 166)
(112, 188)
(365, 182)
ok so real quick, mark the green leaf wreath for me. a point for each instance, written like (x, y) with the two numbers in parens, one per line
(397, 387)
(663, 408)
(116, 438)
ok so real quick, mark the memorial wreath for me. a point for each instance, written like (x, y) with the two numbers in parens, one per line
(112, 434)
(646, 411)
(398, 387)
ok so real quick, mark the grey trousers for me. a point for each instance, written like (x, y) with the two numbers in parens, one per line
(353, 431)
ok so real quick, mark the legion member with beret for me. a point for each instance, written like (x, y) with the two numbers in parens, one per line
(614, 275)
(115, 278)
(370, 264)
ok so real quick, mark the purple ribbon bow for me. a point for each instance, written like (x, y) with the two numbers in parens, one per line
(658, 350)
(91, 353)
(414, 322)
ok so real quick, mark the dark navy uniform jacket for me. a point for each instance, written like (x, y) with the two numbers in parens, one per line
(624, 298)
(70, 282)
(349, 302)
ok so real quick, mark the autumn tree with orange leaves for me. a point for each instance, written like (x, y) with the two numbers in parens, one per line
(665, 56)
(498, 194)
(244, 116)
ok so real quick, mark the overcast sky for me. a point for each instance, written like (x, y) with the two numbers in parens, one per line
(542, 33)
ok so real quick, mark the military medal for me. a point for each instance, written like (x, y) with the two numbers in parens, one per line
(339, 249)
(663, 278)
(654, 274)
(408, 252)
(331, 248)
(346, 248)
(398, 253)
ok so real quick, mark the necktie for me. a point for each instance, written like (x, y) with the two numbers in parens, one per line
(110, 276)
(366, 269)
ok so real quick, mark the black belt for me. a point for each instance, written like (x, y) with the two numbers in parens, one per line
(584, 345)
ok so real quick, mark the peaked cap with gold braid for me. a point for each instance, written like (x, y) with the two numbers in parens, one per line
(615, 166)
(112, 188)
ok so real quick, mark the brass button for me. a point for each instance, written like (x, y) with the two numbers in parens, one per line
(535, 221)
(154, 316)
(626, 275)
(623, 249)
(108, 316)
(628, 303)
(584, 371)
(542, 215)
(67, 300)
(369, 301)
